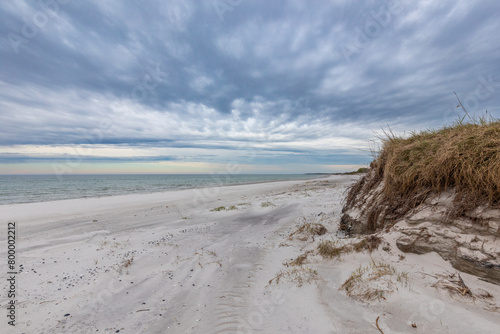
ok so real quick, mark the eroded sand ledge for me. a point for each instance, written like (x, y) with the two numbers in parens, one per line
(169, 263)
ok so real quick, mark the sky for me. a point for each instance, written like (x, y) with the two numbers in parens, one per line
(234, 86)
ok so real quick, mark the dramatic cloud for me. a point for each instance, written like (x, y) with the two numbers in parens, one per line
(256, 83)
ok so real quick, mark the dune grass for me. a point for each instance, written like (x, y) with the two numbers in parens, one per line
(464, 157)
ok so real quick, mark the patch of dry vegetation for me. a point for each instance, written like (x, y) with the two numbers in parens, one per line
(453, 283)
(459, 291)
(369, 243)
(464, 158)
(331, 249)
(374, 282)
(308, 229)
(312, 229)
(299, 261)
(125, 264)
(223, 208)
(297, 275)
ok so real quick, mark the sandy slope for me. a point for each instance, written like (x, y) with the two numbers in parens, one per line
(166, 263)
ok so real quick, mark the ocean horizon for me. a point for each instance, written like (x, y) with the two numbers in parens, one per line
(29, 188)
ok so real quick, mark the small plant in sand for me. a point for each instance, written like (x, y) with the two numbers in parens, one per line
(220, 208)
(459, 291)
(370, 243)
(297, 275)
(331, 248)
(373, 282)
(299, 260)
(212, 252)
(126, 263)
(453, 283)
(267, 204)
(223, 208)
(202, 257)
(308, 229)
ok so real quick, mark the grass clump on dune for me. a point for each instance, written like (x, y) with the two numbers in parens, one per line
(464, 158)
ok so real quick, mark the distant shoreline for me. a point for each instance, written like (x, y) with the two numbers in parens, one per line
(108, 185)
(345, 173)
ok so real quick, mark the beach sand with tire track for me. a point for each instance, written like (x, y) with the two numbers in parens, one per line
(219, 260)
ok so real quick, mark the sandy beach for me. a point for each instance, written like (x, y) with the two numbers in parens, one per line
(218, 260)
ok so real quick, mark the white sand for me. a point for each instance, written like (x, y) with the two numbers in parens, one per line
(165, 263)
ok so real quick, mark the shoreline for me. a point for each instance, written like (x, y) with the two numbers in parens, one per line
(33, 210)
(310, 177)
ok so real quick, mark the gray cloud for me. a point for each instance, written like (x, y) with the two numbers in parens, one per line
(310, 80)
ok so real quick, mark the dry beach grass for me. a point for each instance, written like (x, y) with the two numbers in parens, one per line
(464, 158)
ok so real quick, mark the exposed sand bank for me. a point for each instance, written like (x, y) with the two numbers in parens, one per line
(169, 263)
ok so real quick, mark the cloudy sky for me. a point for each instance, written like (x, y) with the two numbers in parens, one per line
(184, 86)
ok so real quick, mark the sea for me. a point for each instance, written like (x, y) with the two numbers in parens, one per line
(41, 188)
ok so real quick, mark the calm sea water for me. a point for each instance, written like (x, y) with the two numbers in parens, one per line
(40, 188)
